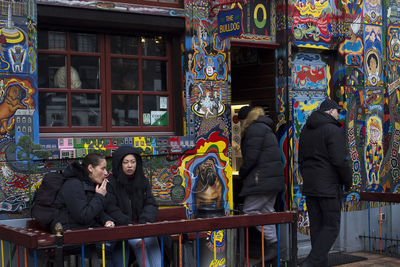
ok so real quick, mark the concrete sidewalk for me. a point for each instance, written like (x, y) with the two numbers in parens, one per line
(373, 260)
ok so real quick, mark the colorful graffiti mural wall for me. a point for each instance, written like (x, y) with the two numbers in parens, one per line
(192, 170)
(347, 51)
(18, 102)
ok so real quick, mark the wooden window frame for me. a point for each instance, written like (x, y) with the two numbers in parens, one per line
(105, 91)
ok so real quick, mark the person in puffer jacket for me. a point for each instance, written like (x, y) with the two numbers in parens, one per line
(130, 200)
(262, 170)
(82, 198)
(323, 162)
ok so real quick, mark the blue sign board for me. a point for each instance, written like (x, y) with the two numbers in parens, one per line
(230, 23)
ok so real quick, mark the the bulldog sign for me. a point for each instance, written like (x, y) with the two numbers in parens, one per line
(230, 23)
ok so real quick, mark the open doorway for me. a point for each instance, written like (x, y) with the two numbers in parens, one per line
(253, 83)
(253, 77)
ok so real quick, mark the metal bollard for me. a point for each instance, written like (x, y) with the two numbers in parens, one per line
(59, 245)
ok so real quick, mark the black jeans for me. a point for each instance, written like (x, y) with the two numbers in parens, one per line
(324, 215)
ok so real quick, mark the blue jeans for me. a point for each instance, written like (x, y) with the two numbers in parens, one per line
(115, 249)
(152, 251)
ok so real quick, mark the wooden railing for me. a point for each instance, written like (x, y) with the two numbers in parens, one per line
(380, 197)
(37, 239)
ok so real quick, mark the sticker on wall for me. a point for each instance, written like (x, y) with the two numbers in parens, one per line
(146, 118)
(163, 102)
(159, 118)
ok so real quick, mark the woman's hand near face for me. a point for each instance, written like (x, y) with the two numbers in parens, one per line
(101, 189)
(109, 224)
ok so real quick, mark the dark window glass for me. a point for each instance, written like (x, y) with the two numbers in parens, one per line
(84, 42)
(124, 74)
(154, 46)
(124, 45)
(52, 40)
(86, 110)
(53, 109)
(51, 72)
(125, 110)
(87, 69)
(154, 75)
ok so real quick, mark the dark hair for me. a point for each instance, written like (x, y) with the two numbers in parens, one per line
(93, 159)
(372, 56)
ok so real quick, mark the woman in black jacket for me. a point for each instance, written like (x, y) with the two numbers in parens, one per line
(262, 169)
(130, 200)
(82, 197)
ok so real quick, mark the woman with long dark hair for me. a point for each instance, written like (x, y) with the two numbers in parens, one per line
(82, 198)
(131, 201)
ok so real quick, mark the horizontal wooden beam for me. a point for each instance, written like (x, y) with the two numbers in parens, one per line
(175, 227)
(30, 238)
(380, 197)
(18, 236)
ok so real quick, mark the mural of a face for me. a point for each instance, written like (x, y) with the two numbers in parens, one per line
(208, 189)
(374, 134)
(372, 64)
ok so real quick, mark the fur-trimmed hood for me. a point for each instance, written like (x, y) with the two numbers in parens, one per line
(257, 114)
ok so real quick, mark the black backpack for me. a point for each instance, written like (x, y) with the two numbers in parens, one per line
(43, 209)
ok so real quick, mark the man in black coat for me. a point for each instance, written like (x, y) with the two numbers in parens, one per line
(323, 165)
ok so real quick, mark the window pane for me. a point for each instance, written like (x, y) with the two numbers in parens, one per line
(124, 45)
(155, 110)
(52, 40)
(125, 110)
(154, 75)
(86, 109)
(124, 74)
(84, 42)
(87, 70)
(154, 46)
(51, 71)
(53, 109)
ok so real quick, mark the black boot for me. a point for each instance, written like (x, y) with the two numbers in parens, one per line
(271, 251)
(270, 256)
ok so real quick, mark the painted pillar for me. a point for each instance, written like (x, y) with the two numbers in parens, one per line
(19, 126)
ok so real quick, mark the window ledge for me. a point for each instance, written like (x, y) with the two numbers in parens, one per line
(105, 134)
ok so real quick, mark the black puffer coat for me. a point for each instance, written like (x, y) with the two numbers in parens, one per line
(262, 166)
(80, 206)
(129, 200)
(323, 156)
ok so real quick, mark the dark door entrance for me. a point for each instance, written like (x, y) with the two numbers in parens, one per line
(253, 77)
(253, 83)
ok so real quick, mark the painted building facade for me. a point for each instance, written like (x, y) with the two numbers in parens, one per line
(63, 63)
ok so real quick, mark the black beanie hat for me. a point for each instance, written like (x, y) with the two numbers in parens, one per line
(243, 112)
(329, 104)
